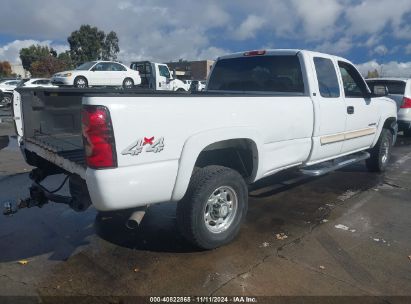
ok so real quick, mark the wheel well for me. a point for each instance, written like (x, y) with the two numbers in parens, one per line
(80, 76)
(389, 124)
(238, 154)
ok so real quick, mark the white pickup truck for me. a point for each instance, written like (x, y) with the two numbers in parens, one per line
(157, 76)
(262, 112)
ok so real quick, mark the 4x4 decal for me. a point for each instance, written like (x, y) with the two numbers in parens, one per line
(145, 144)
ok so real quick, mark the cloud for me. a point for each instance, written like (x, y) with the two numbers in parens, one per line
(380, 50)
(248, 28)
(167, 30)
(369, 17)
(10, 51)
(390, 69)
(339, 47)
(318, 17)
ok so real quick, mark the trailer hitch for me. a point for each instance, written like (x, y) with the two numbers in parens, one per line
(39, 195)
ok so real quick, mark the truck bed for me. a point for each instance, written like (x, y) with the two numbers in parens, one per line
(67, 146)
(52, 119)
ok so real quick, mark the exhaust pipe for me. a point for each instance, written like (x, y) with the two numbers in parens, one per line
(135, 219)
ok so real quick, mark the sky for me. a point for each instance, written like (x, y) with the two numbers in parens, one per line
(374, 34)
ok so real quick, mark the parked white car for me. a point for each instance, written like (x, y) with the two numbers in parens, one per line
(399, 89)
(98, 73)
(36, 83)
(197, 85)
(7, 87)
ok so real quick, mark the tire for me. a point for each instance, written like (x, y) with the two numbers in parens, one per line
(215, 193)
(407, 133)
(128, 83)
(7, 100)
(180, 90)
(80, 82)
(381, 153)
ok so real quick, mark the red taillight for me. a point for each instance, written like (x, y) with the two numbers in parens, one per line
(255, 53)
(406, 103)
(98, 137)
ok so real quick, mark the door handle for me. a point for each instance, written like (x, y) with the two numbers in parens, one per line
(350, 110)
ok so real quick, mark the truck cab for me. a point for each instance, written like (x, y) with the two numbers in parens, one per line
(157, 76)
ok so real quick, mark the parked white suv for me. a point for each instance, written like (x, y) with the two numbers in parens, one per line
(98, 73)
(399, 89)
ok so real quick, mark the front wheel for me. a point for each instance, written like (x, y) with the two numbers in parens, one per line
(7, 100)
(215, 205)
(128, 83)
(80, 82)
(381, 153)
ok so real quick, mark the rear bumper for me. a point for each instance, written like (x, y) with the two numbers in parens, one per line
(404, 125)
(130, 187)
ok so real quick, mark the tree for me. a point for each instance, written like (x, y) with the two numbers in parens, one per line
(66, 59)
(110, 47)
(47, 66)
(35, 53)
(89, 43)
(5, 69)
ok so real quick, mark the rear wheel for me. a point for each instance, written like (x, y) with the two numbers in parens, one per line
(381, 153)
(128, 83)
(80, 82)
(215, 205)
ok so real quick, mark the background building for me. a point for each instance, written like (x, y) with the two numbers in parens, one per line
(194, 70)
(19, 71)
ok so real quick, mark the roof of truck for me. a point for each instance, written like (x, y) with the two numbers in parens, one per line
(389, 78)
(279, 52)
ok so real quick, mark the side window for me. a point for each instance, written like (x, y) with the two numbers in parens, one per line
(164, 71)
(354, 85)
(99, 66)
(327, 78)
(117, 67)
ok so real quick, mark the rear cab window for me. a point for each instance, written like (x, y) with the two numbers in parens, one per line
(269, 73)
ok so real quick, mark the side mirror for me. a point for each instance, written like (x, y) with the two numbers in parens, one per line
(380, 90)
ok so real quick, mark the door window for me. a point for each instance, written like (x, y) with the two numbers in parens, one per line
(354, 85)
(164, 71)
(102, 66)
(117, 67)
(327, 78)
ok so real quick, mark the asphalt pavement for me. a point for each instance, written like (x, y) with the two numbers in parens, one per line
(343, 234)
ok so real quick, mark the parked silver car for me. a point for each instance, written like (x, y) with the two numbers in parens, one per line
(399, 89)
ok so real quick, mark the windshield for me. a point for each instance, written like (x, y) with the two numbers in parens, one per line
(22, 83)
(12, 82)
(86, 66)
(281, 73)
